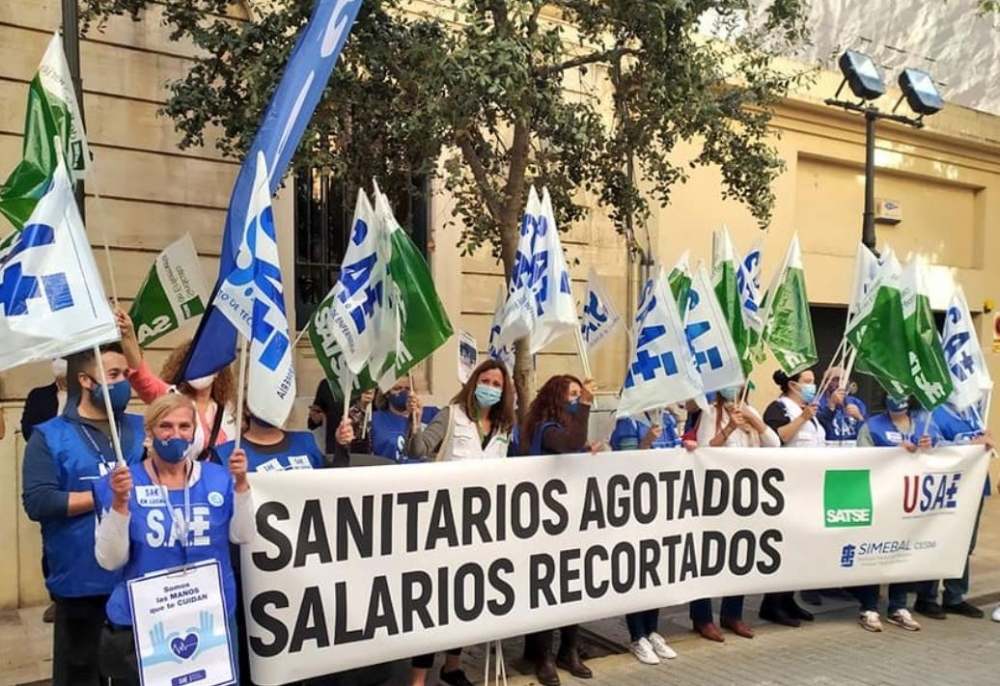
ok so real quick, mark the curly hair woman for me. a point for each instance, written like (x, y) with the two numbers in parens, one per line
(214, 396)
(558, 421)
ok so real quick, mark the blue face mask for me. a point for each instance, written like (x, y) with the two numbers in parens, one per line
(120, 392)
(729, 393)
(572, 406)
(808, 392)
(488, 396)
(896, 405)
(399, 400)
(172, 450)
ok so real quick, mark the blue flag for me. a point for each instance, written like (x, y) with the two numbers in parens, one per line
(291, 107)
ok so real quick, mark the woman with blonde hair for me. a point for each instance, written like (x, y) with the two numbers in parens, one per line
(214, 396)
(206, 506)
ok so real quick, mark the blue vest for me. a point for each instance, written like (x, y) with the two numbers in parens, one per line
(959, 428)
(82, 455)
(838, 425)
(298, 450)
(154, 543)
(628, 429)
(390, 431)
(536, 438)
(885, 434)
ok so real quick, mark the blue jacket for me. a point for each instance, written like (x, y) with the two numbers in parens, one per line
(68, 454)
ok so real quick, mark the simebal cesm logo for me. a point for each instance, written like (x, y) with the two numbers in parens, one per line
(847, 498)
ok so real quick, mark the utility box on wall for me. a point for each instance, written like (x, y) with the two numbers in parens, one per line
(887, 211)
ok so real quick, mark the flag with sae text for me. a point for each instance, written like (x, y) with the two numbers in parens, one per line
(283, 123)
(52, 303)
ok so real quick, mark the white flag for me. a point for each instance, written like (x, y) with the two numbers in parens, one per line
(600, 317)
(662, 370)
(866, 269)
(271, 376)
(498, 350)
(360, 292)
(708, 333)
(748, 284)
(555, 313)
(52, 303)
(518, 318)
(969, 374)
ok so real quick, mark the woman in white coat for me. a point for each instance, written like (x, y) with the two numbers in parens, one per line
(476, 425)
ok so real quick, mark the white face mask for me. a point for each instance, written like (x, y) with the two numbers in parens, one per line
(59, 368)
(201, 383)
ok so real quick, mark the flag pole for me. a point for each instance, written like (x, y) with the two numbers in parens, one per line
(414, 417)
(112, 423)
(346, 384)
(302, 333)
(582, 350)
(241, 390)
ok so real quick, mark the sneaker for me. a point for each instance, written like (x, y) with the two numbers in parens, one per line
(996, 614)
(965, 609)
(454, 678)
(904, 620)
(930, 609)
(660, 647)
(870, 621)
(643, 651)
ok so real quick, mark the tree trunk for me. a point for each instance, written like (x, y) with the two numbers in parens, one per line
(509, 237)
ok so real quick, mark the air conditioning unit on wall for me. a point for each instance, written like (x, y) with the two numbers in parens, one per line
(887, 211)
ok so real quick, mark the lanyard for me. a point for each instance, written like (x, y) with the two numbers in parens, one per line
(181, 527)
(100, 454)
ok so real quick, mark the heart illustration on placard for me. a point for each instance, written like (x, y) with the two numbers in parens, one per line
(184, 647)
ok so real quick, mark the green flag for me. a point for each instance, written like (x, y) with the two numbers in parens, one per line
(52, 112)
(724, 266)
(173, 293)
(931, 378)
(413, 302)
(679, 279)
(876, 329)
(788, 329)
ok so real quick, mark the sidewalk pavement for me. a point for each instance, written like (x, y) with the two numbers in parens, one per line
(834, 651)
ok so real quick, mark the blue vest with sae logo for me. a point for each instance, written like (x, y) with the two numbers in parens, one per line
(155, 539)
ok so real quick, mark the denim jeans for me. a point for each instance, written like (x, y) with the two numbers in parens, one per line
(700, 611)
(642, 624)
(925, 590)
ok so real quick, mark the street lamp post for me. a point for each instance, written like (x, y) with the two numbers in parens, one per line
(865, 81)
(71, 45)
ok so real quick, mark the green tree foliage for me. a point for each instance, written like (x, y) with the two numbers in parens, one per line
(492, 94)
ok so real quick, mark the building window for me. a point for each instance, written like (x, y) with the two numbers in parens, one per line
(324, 208)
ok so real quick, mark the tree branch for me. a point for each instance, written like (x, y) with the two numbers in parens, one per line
(479, 173)
(592, 58)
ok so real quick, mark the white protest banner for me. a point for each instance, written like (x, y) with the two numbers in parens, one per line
(173, 293)
(181, 627)
(350, 568)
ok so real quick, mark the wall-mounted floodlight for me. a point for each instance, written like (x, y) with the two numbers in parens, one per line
(920, 92)
(861, 75)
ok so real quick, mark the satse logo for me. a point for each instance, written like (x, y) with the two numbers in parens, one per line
(934, 493)
(847, 498)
